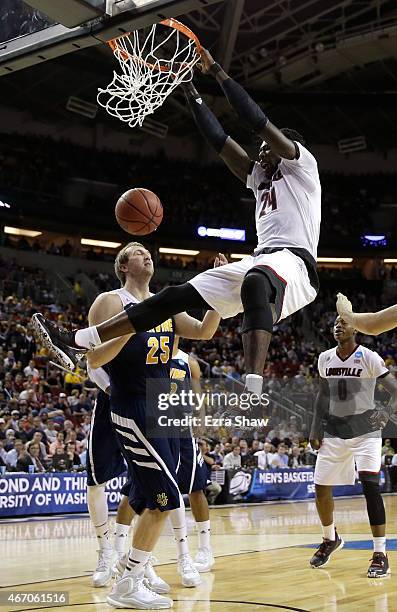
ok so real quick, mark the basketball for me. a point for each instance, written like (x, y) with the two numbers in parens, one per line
(139, 212)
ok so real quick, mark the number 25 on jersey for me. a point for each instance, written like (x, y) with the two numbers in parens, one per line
(158, 349)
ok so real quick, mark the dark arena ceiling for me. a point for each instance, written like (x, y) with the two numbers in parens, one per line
(328, 68)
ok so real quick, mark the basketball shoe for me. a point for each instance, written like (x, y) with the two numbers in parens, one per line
(59, 341)
(204, 560)
(379, 567)
(188, 572)
(103, 572)
(133, 592)
(322, 555)
(155, 583)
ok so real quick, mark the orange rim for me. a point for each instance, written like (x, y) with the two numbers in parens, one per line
(171, 23)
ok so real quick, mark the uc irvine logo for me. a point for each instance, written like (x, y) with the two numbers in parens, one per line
(162, 499)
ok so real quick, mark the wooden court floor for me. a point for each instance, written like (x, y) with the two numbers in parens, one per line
(262, 561)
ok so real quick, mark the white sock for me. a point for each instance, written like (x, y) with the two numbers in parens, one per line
(120, 537)
(204, 534)
(254, 383)
(380, 544)
(329, 531)
(87, 338)
(102, 534)
(98, 509)
(136, 562)
(178, 521)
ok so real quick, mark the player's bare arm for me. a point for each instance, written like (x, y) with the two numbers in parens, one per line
(371, 323)
(320, 410)
(195, 374)
(104, 307)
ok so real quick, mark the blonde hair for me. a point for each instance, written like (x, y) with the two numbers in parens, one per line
(122, 258)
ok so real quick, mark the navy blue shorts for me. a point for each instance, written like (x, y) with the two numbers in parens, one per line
(152, 462)
(192, 471)
(126, 488)
(104, 457)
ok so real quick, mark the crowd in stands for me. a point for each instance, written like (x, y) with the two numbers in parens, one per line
(205, 195)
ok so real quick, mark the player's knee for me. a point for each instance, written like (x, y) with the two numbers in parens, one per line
(256, 293)
(323, 492)
(256, 289)
(371, 491)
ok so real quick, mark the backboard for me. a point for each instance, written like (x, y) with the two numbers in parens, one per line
(34, 31)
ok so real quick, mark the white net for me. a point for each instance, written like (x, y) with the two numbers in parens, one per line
(152, 66)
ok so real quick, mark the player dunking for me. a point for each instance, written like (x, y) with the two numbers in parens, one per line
(346, 430)
(276, 281)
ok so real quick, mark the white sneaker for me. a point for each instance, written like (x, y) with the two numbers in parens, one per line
(157, 584)
(103, 571)
(119, 565)
(132, 592)
(204, 560)
(189, 574)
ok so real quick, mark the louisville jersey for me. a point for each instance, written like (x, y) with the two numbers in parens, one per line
(288, 206)
(351, 382)
(145, 356)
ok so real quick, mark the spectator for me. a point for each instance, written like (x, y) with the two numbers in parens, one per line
(71, 436)
(217, 455)
(23, 462)
(34, 452)
(12, 456)
(387, 457)
(59, 442)
(31, 370)
(38, 439)
(233, 460)
(212, 489)
(50, 431)
(61, 461)
(86, 425)
(71, 453)
(265, 456)
(296, 458)
(387, 446)
(10, 439)
(280, 459)
(3, 428)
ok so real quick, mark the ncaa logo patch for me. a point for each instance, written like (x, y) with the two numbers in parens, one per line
(162, 499)
(358, 354)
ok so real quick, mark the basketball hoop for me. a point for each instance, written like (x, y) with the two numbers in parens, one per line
(152, 66)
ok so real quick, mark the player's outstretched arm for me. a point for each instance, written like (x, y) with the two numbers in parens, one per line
(104, 307)
(371, 323)
(189, 327)
(229, 151)
(194, 329)
(321, 407)
(247, 109)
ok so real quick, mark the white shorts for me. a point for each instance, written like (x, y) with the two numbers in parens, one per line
(337, 458)
(221, 287)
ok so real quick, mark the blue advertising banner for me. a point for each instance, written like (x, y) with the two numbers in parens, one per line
(53, 493)
(268, 485)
